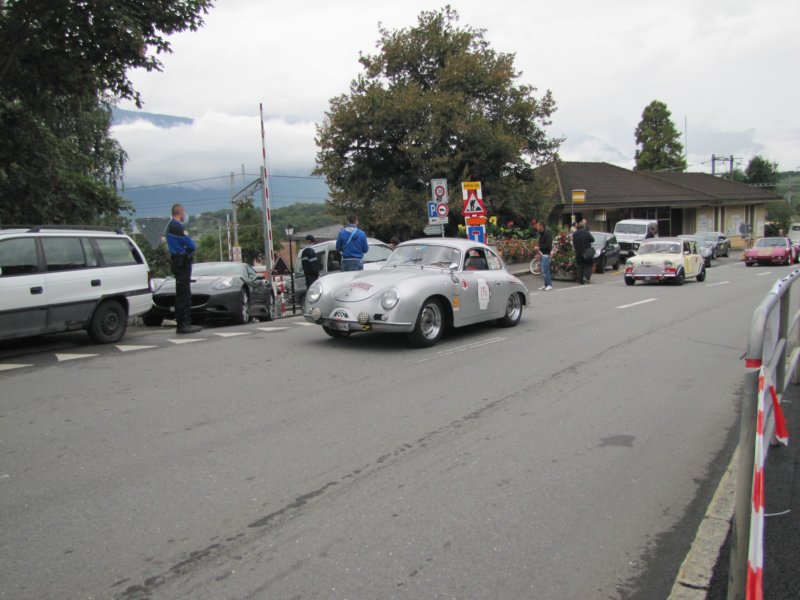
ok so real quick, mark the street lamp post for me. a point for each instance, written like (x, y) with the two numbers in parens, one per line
(289, 231)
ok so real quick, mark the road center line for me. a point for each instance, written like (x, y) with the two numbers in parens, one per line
(638, 303)
(718, 283)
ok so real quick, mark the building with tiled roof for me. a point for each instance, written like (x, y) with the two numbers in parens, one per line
(681, 202)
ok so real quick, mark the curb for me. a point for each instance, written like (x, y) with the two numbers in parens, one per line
(694, 576)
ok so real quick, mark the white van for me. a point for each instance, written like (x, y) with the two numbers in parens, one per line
(630, 233)
(794, 233)
(55, 279)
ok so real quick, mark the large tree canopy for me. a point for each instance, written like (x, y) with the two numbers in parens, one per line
(761, 171)
(62, 64)
(435, 102)
(661, 149)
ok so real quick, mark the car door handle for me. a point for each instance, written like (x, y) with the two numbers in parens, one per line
(96, 283)
(37, 290)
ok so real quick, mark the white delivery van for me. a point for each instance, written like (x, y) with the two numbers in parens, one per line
(630, 233)
(794, 233)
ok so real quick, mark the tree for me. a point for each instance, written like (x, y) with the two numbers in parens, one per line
(62, 64)
(435, 102)
(761, 171)
(661, 149)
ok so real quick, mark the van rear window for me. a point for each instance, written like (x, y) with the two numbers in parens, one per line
(117, 251)
(630, 228)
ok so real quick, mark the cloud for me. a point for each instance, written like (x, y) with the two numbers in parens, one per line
(213, 145)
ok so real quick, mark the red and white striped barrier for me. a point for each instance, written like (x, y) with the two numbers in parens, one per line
(755, 555)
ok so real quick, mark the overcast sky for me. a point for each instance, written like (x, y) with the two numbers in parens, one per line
(726, 70)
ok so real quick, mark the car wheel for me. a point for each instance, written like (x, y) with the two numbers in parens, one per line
(269, 309)
(430, 324)
(701, 276)
(109, 322)
(707, 262)
(601, 265)
(679, 277)
(335, 333)
(513, 311)
(748, 264)
(243, 316)
(152, 320)
(629, 281)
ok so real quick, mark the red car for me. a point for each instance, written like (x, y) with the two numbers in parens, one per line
(772, 251)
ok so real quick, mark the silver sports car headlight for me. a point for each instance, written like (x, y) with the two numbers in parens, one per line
(390, 298)
(223, 284)
(314, 292)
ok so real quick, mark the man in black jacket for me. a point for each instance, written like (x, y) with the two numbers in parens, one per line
(545, 247)
(581, 242)
(309, 261)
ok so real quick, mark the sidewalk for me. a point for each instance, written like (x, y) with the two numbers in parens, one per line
(782, 529)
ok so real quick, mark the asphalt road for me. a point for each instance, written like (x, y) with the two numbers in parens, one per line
(570, 457)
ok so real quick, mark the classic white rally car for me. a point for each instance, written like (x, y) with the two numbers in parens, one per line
(666, 259)
(425, 286)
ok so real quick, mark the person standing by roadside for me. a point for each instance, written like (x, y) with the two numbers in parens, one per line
(584, 253)
(545, 247)
(181, 254)
(309, 261)
(352, 243)
(652, 231)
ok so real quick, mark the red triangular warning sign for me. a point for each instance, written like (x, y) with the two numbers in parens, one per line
(473, 205)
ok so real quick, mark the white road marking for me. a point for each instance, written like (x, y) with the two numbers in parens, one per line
(132, 348)
(717, 283)
(10, 366)
(186, 340)
(305, 323)
(234, 334)
(64, 357)
(762, 274)
(638, 303)
(268, 329)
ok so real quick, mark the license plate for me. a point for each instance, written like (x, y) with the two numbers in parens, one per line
(341, 326)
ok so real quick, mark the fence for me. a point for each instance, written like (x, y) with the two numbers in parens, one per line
(771, 364)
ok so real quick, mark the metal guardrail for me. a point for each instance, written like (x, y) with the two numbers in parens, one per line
(774, 343)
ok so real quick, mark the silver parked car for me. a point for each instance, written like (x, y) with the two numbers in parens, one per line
(426, 286)
(721, 242)
(330, 261)
(706, 247)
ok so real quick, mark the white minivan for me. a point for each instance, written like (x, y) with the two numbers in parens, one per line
(54, 279)
(794, 233)
(630, 233)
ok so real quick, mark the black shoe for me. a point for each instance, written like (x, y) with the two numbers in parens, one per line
(189, 329)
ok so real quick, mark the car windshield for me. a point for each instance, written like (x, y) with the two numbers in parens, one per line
(377, 253)
(425, 255)
(660, 248)
(216, 269)
(600, 239)
(770, 243)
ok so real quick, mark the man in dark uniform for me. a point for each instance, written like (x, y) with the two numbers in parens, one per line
(581, 242)
(309, 261)
(181, 254)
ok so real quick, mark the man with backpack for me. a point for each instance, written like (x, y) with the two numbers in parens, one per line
(352, 243)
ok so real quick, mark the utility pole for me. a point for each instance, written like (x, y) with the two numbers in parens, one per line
(235, 221)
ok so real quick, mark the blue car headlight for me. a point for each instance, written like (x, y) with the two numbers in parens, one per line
(390, 298)
(314, 292)
(223, 284)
